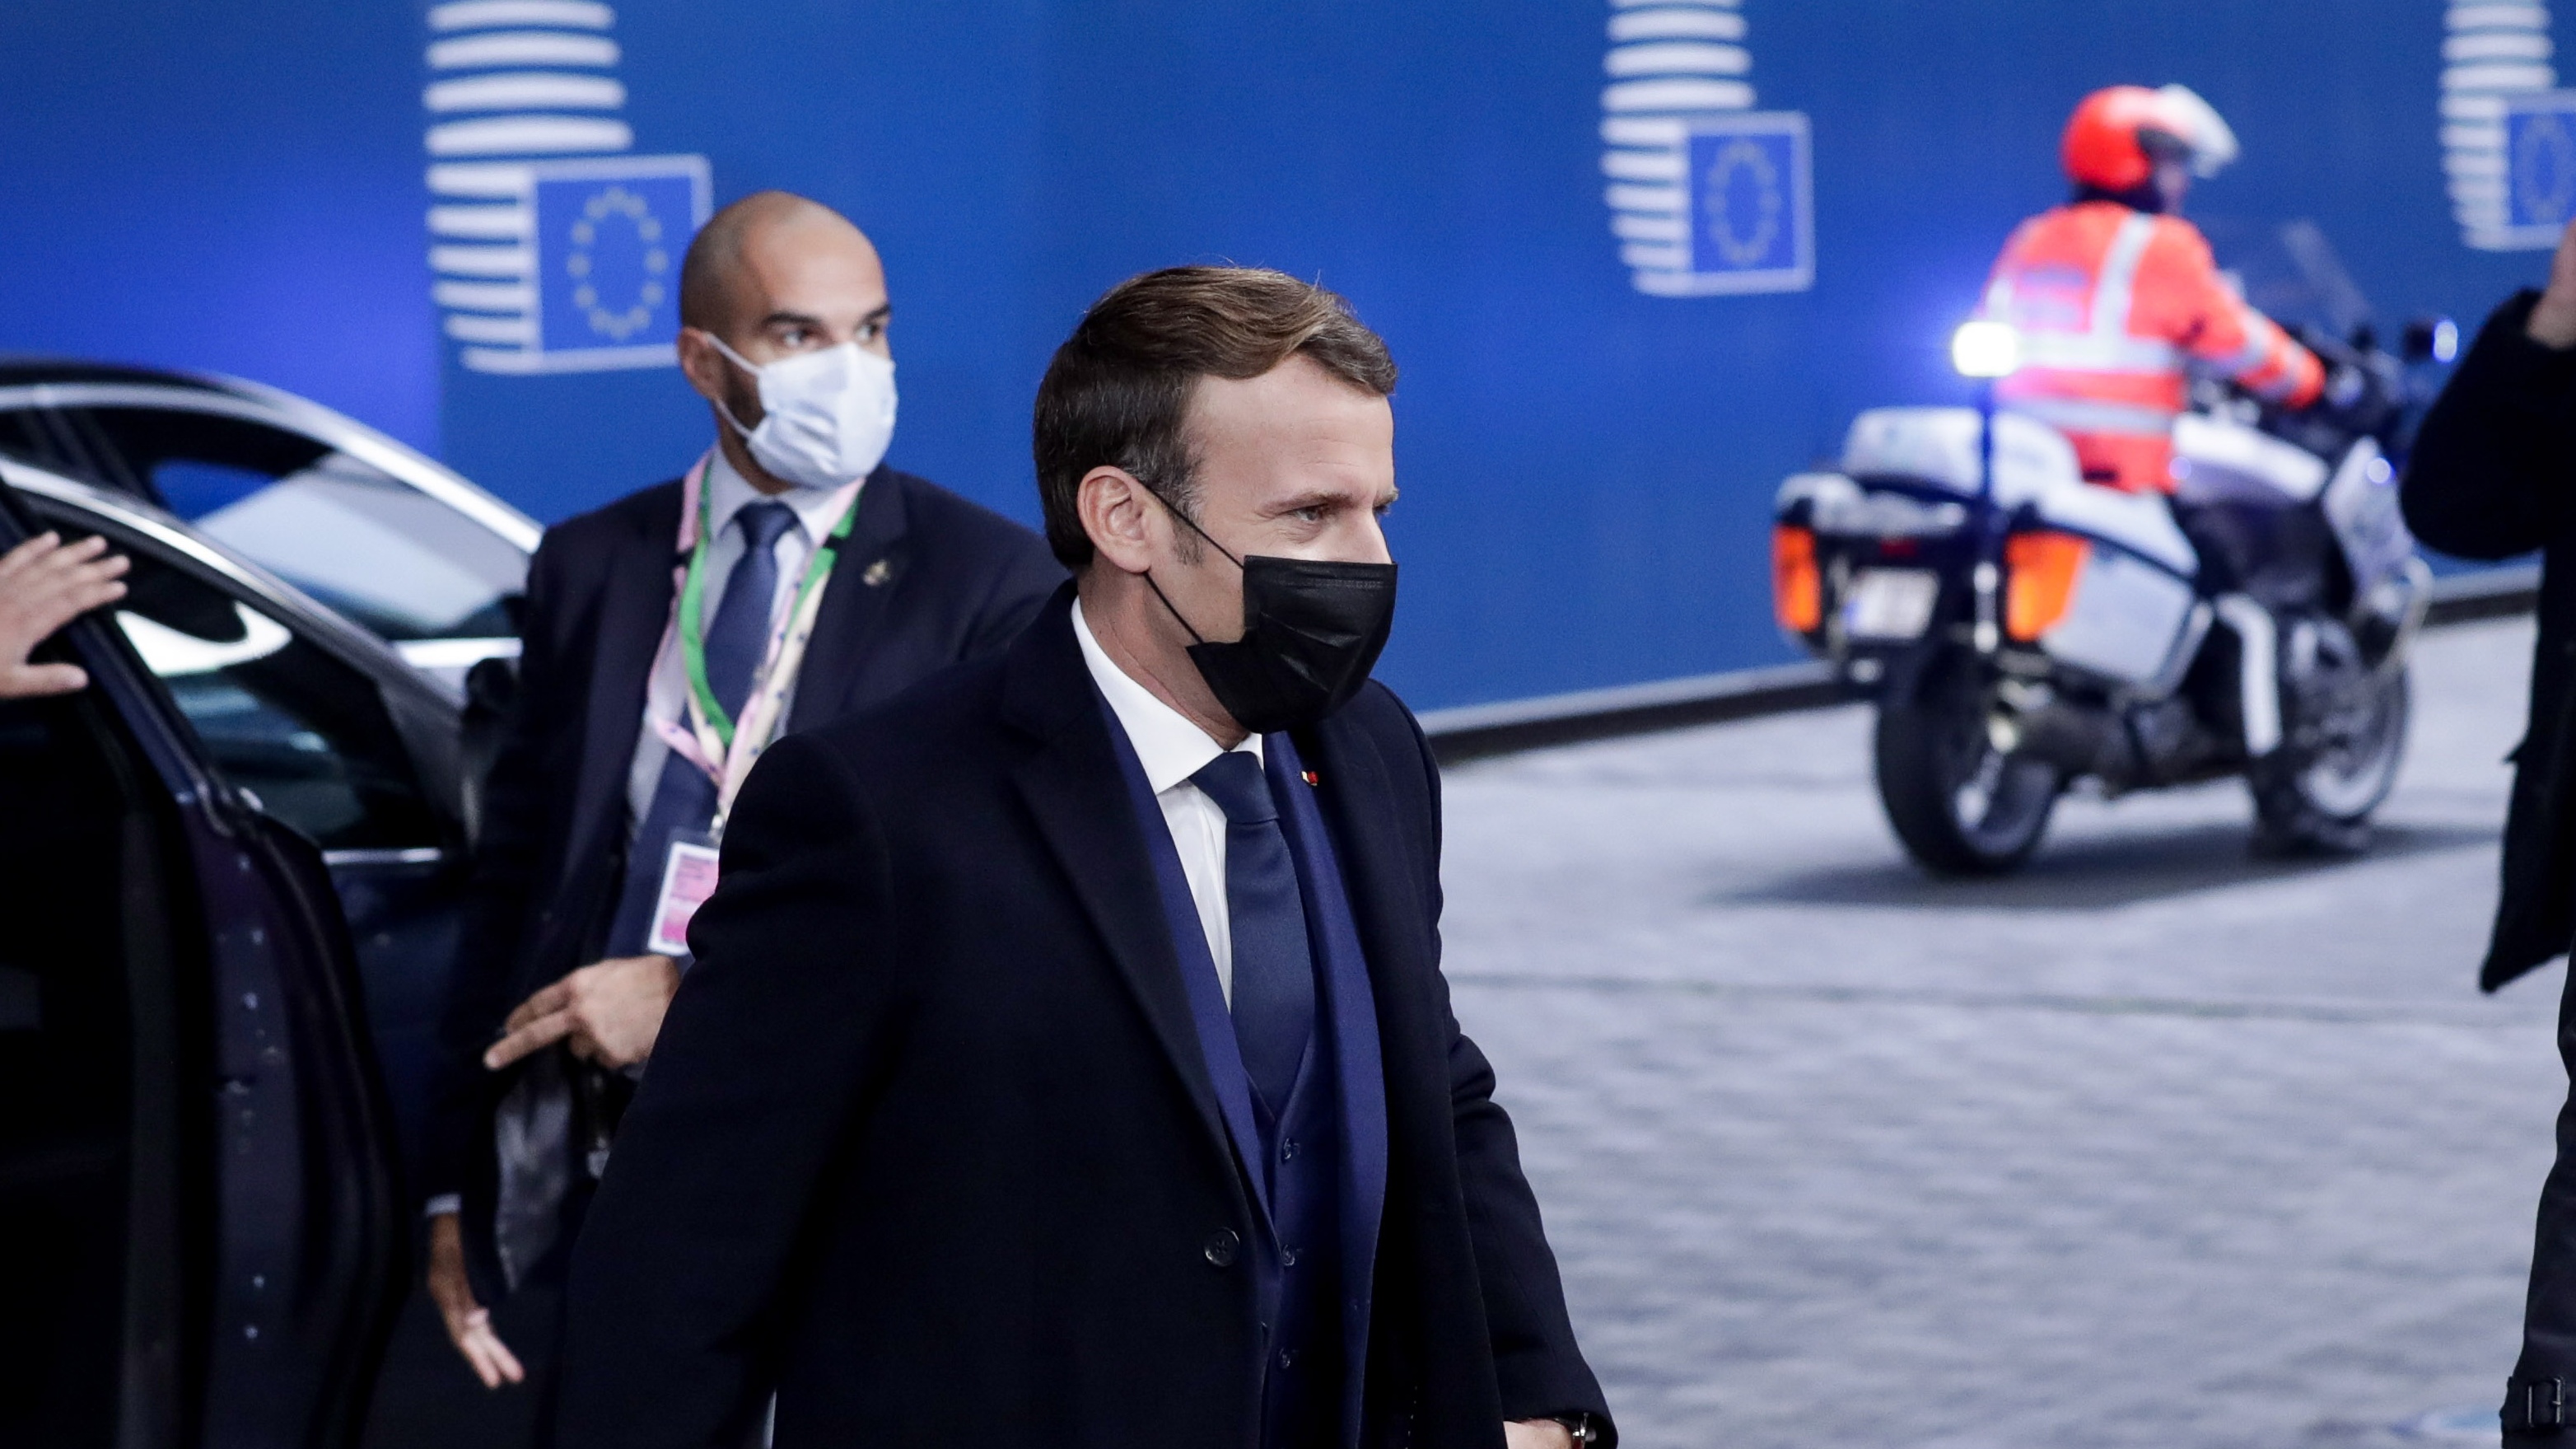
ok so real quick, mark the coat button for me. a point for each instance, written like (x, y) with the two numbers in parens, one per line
(1222, 1246)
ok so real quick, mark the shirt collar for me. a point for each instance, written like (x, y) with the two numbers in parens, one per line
(728, 493)
(1168, 744)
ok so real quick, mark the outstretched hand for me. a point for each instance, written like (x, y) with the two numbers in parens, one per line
(607, 1013)
(45, 584)
(469, 1324)
(2553, 322)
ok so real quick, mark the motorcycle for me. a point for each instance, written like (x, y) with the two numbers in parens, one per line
(2023, 631)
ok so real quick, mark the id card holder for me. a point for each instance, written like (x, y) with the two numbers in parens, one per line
(688, 878)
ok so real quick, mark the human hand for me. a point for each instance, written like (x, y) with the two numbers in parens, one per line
(469, 1324)
(45, 584)
(2553, 322)
(607, 1013)
(1537, 1434)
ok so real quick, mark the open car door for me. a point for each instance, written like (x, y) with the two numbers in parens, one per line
(197, 1169)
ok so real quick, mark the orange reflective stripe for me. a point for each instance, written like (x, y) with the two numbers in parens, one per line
(2307, 380)
(2113, 305)
(2167, 391)
(2259, 352)
(2080, 415)
(2115, 286)
(2093, 352)
(2281, 369)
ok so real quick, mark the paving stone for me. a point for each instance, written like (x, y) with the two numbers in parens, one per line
(2153, 1145)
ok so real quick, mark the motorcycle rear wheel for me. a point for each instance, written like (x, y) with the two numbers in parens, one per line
(1960, 806)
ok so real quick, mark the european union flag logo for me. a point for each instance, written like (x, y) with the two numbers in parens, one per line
(1751, 200)
(565, 266)
(609, 237)
(2540, 164)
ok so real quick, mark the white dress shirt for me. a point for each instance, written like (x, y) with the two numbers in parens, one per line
(666, 696)
(1172, 749)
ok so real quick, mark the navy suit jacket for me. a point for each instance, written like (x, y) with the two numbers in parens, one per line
(1344, 1062)
(930, 1147)
(924, 580)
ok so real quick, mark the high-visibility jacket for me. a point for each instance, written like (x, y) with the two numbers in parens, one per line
(2113, 306)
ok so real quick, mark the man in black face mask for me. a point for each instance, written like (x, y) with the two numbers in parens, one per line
(1067, 1060)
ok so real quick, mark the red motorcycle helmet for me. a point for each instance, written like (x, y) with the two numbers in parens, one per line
(2117, 135)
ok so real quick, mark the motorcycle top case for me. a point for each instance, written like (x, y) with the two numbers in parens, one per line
(2133, 599)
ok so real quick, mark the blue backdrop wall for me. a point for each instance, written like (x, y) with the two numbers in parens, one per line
(1586, 466)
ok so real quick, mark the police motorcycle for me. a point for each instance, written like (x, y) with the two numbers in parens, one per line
(2024, 632)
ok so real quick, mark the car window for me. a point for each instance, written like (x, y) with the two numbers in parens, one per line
(279, 716)
(391, 558)
(23, 435)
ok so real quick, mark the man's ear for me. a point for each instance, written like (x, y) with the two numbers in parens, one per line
(702, 365)
(1121, 520)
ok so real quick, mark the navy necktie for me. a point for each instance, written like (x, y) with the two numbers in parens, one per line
(685, 799)
(1274, 969)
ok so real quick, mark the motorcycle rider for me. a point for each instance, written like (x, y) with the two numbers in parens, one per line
(2117, 301)
(2115, 296)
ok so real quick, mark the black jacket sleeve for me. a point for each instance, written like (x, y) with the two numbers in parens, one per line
(499, 891)
(2549, 1313)
(690, 1243)
(1538, 1366)
(1025, 576)
(2490, 474)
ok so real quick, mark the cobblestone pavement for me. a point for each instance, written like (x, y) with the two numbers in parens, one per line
(2154, 1145)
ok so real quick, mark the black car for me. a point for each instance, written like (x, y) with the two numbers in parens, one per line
(236, 860)
(390, 540)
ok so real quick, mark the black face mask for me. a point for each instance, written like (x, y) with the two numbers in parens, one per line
(1312, 630)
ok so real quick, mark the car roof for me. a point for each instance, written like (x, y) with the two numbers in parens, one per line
(140, 517)
(22, 370)
(242, 397)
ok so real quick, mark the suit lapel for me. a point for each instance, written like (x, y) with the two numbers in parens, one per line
(634, 607)
(1396, 926)
(1350, 1018)
(1073, 787)
(866, 571)
(1355, 792)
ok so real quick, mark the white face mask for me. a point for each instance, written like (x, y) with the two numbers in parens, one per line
(826, 417)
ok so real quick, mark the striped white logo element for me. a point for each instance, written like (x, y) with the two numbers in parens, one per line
(2491, 50)
(511, 83)
(1669, 61)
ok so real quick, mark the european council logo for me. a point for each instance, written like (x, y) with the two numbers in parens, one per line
(609, 239)
(2539, 166)
(1751, 206)
(596, 283)
(1707, 196)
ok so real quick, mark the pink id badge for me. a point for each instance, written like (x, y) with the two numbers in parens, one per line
(688, 878)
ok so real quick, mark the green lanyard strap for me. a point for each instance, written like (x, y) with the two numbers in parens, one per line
(693, 592)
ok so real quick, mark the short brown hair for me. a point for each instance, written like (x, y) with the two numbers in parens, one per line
(1118, 392)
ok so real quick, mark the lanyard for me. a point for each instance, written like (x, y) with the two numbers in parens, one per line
(715, 742)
